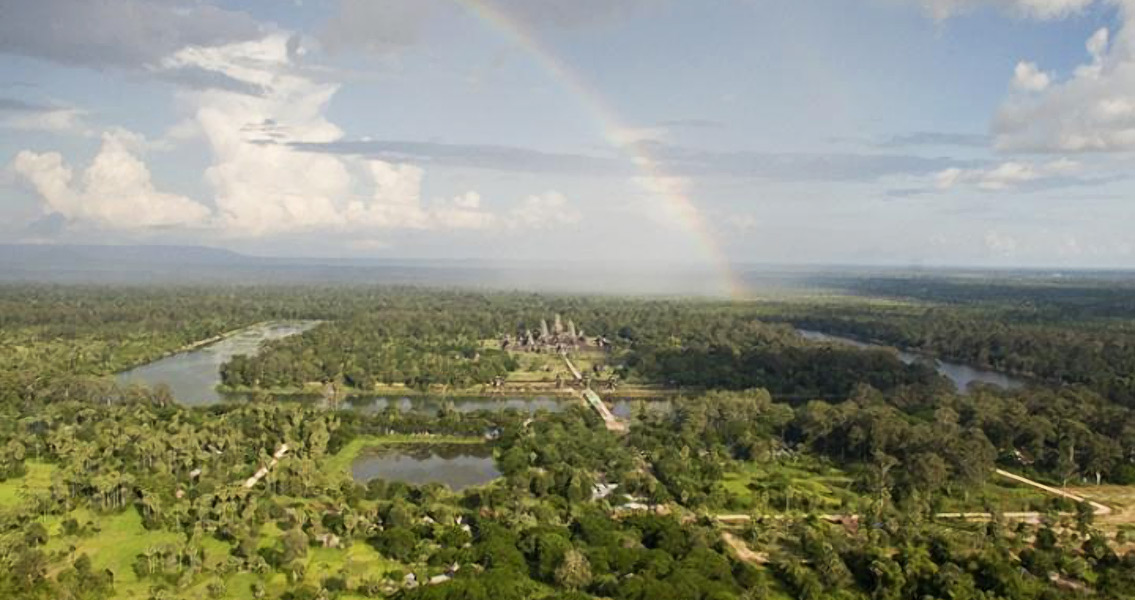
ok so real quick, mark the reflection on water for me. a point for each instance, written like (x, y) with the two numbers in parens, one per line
(433, 404)
(458, 466)
(193, 376)
(961, 375)
(627, 408)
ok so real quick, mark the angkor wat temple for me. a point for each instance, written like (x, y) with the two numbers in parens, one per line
(558, 338)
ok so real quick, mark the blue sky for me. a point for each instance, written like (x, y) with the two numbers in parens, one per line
(927, 132)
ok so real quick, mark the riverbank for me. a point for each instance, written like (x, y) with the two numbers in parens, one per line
(209, 341)
(960, 374)
(644, 392)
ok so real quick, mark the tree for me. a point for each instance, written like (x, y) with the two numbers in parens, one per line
(574, 571)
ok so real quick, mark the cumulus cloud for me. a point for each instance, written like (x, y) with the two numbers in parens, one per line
(264, 180)
(1091, 111)
(1028, 78)
(114, 192)
(1005, 176)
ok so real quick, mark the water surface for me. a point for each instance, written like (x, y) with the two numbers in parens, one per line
(193, 376)
(462, 404)
(961, 375)
(457, 466)
(627, 408)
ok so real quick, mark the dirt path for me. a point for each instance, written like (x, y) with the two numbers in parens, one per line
(742, 550)
(1097, 508)
(1029, 516)
(263, 472)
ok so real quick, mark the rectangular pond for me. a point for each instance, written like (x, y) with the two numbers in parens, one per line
(457, 466)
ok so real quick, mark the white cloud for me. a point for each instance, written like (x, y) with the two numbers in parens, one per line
(265, 184)
(114, 192)
(1028, 78)
(1005, 176)
(1000, 244)
(626, 136)
(1037, 9)
(543, 211)
(50, 119)
(1091, 111)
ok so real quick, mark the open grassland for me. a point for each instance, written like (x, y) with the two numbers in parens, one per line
(1121, 499)
(807, 486)
(997, 495)
(112, 543)
(37, 479)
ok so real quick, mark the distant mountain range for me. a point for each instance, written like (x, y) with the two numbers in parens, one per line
(61, 263)
(197, 264)
(38, 256)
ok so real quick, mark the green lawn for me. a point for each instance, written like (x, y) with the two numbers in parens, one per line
(999, 494)
(37, 479)
(341, 461)
(120, 539)
(358, 562)
(800, 486)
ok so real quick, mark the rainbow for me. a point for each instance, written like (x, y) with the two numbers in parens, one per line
(651, 175)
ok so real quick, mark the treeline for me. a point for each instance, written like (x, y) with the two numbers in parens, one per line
(800, 372)
(426, 339)
(541, 529)
(1059, 330)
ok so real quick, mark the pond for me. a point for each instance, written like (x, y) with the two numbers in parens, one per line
(457, 466)
(961, 375)
(193, 376)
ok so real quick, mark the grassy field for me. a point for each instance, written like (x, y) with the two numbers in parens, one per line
(1121, 499)
(802, 486)
(1000, 495)
(37, 479)
(341, 461)
(119, 539)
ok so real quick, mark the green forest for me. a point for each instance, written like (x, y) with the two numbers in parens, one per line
(781, 468)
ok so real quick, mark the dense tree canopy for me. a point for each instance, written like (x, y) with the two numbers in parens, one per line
(849, 457)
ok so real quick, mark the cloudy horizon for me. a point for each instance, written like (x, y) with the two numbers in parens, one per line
(929, 132)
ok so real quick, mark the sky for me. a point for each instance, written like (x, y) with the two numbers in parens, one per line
(868, 132)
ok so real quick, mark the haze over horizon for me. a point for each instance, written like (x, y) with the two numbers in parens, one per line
(904, 132)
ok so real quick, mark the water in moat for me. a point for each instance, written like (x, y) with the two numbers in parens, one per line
(961, 375)
(463, 404)
(457, 466)
(193, 376)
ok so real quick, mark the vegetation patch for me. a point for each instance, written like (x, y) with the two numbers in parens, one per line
(340, 462)
(807, 486)
(36, 479)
